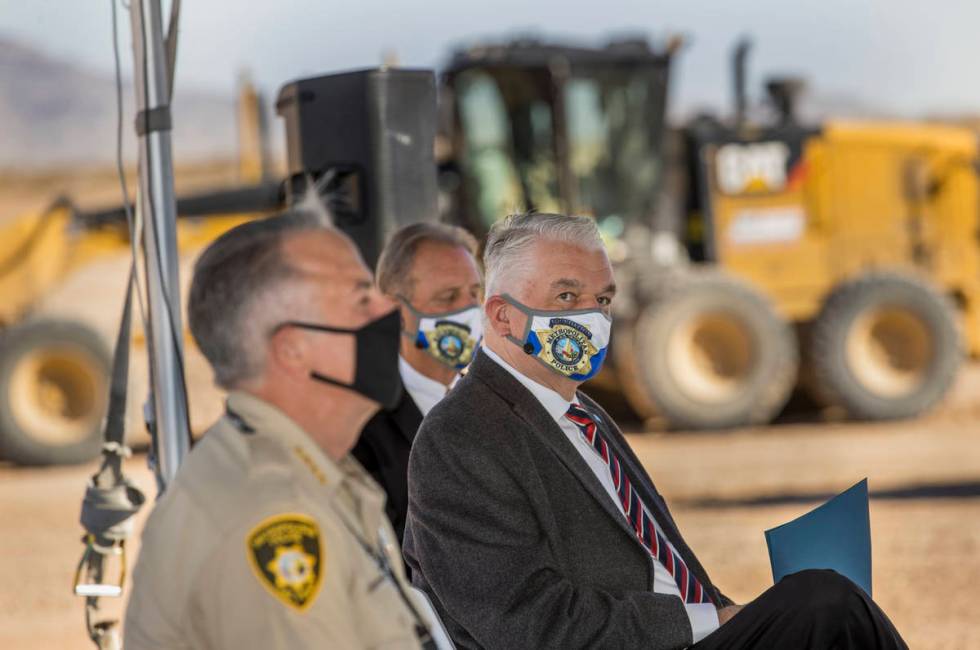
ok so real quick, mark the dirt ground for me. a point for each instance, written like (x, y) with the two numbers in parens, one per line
(725, 489)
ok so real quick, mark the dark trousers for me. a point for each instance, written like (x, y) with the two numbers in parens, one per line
(809, 610)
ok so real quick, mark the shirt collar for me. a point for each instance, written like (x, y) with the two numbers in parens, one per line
(553, 403)
(425, 391)
(264, 419)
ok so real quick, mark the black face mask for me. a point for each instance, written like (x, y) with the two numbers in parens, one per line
(376, 364)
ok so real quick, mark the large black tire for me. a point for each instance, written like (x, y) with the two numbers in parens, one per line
(706, 352)
(884, 346)
(54, 377)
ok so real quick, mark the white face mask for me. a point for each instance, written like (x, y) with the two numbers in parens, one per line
(450, 337)
(572, 343)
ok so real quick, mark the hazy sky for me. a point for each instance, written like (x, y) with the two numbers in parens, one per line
(908, 57)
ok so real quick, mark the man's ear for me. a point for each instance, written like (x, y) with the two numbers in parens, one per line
(499, 313)
(288, 350)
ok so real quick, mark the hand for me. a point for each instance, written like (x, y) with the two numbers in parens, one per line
(726, 614)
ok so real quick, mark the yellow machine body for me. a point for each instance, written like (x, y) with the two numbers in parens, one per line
(40, 250)
(863, 196)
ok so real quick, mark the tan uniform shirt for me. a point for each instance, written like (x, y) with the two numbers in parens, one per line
(248, 547)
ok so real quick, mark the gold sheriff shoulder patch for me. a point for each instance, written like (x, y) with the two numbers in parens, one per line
(286, 555)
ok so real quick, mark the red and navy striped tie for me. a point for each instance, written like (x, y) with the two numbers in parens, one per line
(636, 512)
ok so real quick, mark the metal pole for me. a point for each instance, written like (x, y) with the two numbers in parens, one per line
(158, 205)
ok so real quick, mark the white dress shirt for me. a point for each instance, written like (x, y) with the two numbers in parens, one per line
(425, 392)
(703, 616)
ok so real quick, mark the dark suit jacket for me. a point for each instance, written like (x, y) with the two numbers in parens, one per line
(515, 540)
(383, 450)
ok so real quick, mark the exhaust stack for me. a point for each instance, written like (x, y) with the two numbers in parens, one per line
(739, 57)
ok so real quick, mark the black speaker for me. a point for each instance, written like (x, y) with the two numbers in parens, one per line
(365, 138)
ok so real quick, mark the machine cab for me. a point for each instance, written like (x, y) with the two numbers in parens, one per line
(533, 126)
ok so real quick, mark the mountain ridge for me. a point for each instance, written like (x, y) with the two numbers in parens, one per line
(55, 112)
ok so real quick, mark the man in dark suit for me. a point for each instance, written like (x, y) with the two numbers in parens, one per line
(531, 523)
(431, 271)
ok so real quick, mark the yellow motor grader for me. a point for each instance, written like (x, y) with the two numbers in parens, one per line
(752, 257)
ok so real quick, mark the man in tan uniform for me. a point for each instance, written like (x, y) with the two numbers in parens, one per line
(271, 535)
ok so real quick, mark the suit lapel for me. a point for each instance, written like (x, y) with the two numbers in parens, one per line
(528, 408)
(406, 416)
(548, 431)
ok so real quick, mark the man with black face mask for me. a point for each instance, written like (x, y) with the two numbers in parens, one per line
(271, 535)
(430, 270)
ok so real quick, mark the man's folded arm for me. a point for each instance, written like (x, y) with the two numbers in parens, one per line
(482, 552)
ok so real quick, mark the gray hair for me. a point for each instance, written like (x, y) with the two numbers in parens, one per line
(395, 262)
(510, 240)
(243, 286)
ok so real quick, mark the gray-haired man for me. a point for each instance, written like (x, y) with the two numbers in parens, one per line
(271, 535)
(531, 523)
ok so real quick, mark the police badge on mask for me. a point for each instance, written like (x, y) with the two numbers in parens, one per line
(449, 337)
(571, 343)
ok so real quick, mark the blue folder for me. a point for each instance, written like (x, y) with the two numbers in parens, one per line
(836, 535)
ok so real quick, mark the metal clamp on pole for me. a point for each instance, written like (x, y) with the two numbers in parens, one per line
(153, 119)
